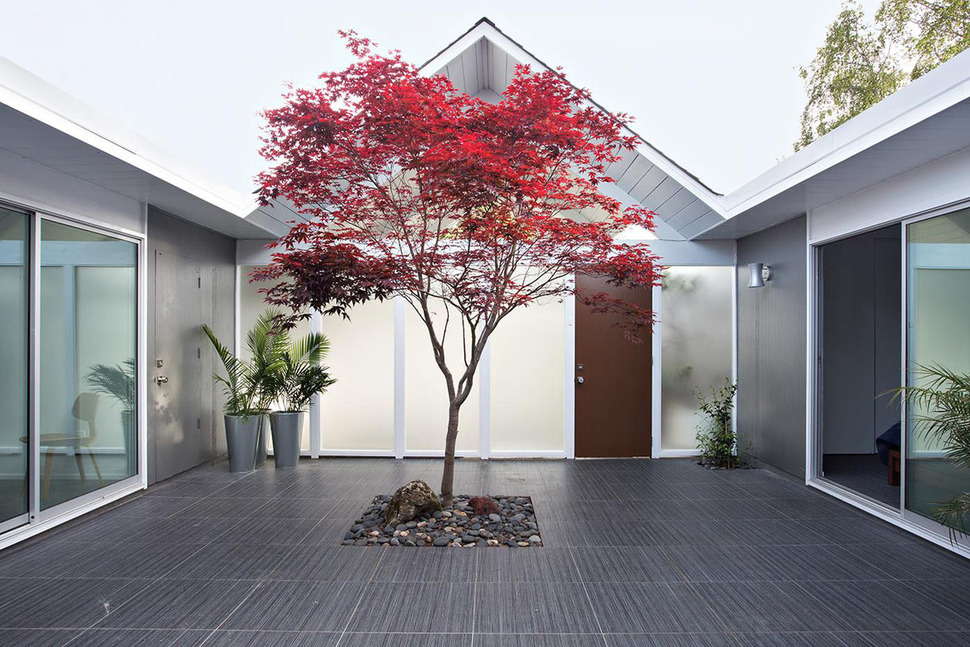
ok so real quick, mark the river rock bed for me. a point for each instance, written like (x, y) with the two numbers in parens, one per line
(513, 527)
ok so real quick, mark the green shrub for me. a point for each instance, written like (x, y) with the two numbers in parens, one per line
(716, 440)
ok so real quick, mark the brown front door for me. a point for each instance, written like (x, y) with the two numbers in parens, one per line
(612, 380)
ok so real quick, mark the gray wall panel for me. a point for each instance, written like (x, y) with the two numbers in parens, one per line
(771, 348)
(180, 438)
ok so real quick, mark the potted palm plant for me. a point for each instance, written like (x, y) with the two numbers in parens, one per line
(246, 386)
(118, 382)
(942, 405)
(299, 376)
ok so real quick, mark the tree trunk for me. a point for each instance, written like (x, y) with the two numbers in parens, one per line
(448, 476)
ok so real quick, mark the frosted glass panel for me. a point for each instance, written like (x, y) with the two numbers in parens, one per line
(251, 305)
(426, 397)
(104, 303)
(528, 373)
(357, 412)
(938, 294)
(88, 310)
(696, 348)
(13, 359)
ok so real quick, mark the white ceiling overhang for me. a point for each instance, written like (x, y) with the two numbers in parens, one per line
(48, 127)
(482, 63)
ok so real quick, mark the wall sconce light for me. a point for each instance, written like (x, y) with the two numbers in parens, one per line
(758, 274)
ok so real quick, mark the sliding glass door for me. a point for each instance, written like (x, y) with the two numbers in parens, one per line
(68, 325)
(938, 337)
(88, 310)
(14, 453)
(893, 309)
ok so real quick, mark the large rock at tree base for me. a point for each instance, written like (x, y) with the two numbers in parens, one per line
(411, 500)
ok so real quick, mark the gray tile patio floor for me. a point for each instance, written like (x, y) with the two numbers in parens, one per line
(636, 553)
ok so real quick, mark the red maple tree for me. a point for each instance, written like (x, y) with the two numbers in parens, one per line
(466, 209)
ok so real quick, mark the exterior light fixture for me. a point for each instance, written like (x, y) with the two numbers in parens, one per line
(758, 274)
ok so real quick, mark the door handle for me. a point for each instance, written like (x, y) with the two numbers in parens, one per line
(160, 380)
(580, 380)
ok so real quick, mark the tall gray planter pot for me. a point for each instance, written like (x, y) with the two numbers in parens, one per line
(242, 433)
(287, 428)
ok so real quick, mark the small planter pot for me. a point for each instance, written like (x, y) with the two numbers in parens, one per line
(287, 428)
(242, 432)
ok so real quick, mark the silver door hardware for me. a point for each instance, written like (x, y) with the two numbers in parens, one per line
(580, 380)
(159, 363)
(580, 367)
(160, 380)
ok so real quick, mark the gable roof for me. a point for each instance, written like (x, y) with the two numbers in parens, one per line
(481, 62)
(924, 121)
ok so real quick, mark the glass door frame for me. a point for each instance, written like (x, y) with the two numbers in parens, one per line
(908, 295)
(900, 516)
(24, 518)
(40, 519)
(814, 448)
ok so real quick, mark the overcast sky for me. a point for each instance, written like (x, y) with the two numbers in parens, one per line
(711, 83)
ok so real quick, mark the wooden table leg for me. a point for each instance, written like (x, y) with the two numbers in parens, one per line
(48, 465)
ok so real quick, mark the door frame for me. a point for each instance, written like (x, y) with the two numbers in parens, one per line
(901, 517)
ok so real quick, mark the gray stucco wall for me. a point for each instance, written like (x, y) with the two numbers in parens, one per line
(185, 415)
(771, 348)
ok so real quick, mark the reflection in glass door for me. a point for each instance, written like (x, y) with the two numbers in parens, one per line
(88, 308)
(13, 368)
(938, 334)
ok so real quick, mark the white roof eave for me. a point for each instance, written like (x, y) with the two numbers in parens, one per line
(942, 88)
(35, 98)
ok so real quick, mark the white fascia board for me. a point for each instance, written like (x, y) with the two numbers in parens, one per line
(942, 88)
(500, 40)
(34, 97)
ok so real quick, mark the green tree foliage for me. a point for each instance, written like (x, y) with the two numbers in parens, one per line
(930, 31)
(862, 63)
